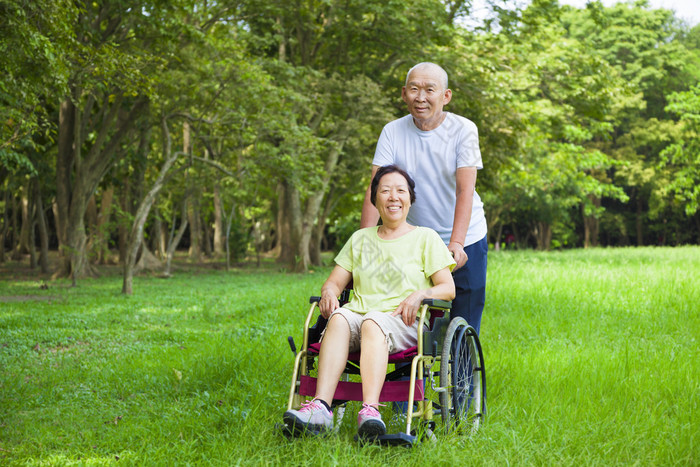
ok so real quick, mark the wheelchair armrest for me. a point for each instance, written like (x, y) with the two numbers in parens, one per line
(343, 299)
(436, 303)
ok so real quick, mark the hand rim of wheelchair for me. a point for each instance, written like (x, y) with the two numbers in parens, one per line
(464, 402)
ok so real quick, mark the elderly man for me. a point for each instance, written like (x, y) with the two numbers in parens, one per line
(440, 151)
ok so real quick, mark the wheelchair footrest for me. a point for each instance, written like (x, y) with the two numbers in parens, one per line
(394, 439)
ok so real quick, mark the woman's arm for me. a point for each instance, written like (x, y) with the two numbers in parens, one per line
(443, 288)
(331, 290)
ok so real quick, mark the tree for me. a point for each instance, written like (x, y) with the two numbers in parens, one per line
(644, 46)
(35, 38)
(684, 154)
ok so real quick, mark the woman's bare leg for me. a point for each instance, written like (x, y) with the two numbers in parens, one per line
(332, 357)
(373, 361)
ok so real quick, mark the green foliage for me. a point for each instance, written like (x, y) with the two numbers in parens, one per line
(579, 110)
(684, 155)
(596, 367)
(35, 38)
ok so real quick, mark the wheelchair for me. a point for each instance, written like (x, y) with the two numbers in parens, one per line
(441, 381)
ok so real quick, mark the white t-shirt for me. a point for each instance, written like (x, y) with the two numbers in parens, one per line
(432, 158)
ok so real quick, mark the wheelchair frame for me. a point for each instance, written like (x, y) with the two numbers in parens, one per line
(461, 395)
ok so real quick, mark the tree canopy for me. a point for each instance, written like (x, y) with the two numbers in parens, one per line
(130, 129)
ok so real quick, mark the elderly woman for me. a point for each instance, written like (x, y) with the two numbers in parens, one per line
(394, 267)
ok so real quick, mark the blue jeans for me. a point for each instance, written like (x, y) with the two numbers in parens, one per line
(470, 284)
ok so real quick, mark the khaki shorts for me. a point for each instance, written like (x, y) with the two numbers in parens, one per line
(398, 336)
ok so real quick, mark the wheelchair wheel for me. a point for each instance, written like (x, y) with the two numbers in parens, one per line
(462, 372)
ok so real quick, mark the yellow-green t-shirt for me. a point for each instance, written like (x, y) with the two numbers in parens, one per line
(385, 272)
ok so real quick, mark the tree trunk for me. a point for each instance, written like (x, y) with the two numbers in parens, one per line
(591, 223)
(23, 244)
(43, 229)
(101, 246)
(283, 243)
(64, 167)
(147, 260)
(174, 239)
(91, 225)
(497, 240)
(639, 220)
(543, 234)
(218, 223)
(158, 237)
(123, 234)
(3, 231)
(302, 224)
(32, 235)
(14, 229)
(206, 239)
(298, 256)
(135, 239)
(193, 217)
(229, 222)
(88, 172)
(319, 230)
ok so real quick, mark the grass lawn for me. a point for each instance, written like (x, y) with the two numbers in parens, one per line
(591, 357)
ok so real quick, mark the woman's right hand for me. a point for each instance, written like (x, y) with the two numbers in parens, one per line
(328, 304)
(331, 289)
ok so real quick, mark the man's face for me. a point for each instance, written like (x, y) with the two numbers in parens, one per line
(425, 96)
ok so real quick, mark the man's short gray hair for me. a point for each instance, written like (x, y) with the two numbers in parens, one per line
(435, 66)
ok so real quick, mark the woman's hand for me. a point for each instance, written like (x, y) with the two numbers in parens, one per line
(328, 304)
(408, 309)
(331, 289)
(443, 288)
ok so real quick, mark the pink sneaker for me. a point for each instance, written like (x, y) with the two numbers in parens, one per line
(369, 422)
(312, 418)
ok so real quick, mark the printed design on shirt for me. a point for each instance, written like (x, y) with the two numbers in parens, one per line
(451, 128)
(382, 270)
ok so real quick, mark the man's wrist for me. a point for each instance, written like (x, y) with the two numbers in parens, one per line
(458, 243)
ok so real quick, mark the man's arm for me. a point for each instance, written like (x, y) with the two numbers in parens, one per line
(466, 182)
(370, 215)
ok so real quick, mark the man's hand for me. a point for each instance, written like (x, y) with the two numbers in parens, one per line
(458, 254)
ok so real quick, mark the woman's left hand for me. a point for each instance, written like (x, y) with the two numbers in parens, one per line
(408, 309)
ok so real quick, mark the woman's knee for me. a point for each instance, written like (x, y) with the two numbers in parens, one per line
(370, 330)
(338, 322)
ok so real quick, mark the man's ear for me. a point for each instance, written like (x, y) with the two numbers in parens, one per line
(447, 97)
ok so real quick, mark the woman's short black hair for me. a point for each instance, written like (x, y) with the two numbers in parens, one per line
(387, 169)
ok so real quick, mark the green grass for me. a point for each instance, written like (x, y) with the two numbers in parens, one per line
(592, 358)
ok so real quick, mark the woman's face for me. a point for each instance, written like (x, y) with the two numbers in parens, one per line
(393, 198)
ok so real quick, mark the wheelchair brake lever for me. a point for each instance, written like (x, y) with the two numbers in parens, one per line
(293, 346)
